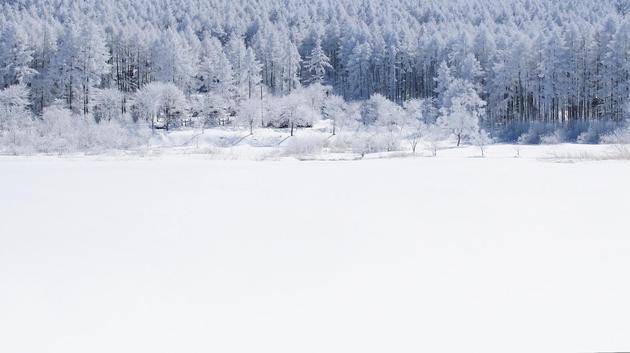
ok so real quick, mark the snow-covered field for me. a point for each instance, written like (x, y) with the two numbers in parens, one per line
(191, 253)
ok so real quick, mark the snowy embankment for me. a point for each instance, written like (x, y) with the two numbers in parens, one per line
(318, 144)
(190, 254)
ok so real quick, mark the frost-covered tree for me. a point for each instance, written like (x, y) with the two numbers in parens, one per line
(335, 109)
(482, 139)
(416, 120)
(291, 61)
(248, 111)
(253, 76)
(108, 104)
(81, 62)
(158, 101)
(434, 136)
(215, 73)
(16, 56)
(461, 109)
(317, 63)
(236, 53)
(15, 118)
(444, 80)
(175, 60)
(379, 109)
(296, 110)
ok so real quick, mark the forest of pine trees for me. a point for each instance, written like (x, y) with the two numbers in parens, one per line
(525, 61)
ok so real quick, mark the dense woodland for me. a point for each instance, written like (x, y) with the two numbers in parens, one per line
(285, 63)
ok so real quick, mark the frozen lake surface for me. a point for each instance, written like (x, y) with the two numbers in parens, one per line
(190, 254)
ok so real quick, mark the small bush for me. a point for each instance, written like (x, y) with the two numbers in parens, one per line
(553, 138)
(364, 143)
(595, 132)
(304, 145)
(535, 134)
(619, 136)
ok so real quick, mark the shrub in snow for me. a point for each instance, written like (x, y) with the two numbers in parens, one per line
(617, 137)
(335, 109)
(433, 137)
(314, 95)
(365, 143)
(306, 115)
(114, 135)
(481, 139)
(304, 145)
(512, 132)
(553, 138)
(341, 143)
(247, 112)
(535, 133)
(571, 131)
(528, 138)
(60, 131)
(595, 132)
(417, 116)
(17, 125)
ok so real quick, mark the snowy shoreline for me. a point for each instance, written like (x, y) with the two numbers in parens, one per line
(561, 152)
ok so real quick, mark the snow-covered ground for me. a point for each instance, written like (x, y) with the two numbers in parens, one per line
(191, 253)
(318, 144)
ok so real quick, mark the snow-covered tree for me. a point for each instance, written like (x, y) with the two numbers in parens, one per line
(335, 110)
(253, 76)
(159, 103)
(444, 80)
(175, 60)
(248, 111)
(379, 109)
(215, 73)
(291, 60)
(108, 104)
(461, 109)
(434, 136)
(296, 110)
(16, 56)
(15, 118)
(482, 139)
(317, 63)
(81, 62)
(236, 53)
(416, 121)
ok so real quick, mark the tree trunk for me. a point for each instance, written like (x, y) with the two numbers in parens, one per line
(459, 139)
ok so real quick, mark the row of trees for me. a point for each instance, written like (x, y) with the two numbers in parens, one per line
(501, 61)
(374, 125)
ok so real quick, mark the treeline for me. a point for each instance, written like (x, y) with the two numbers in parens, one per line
(546, 61)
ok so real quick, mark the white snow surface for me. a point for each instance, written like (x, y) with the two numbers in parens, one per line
(188, 253)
